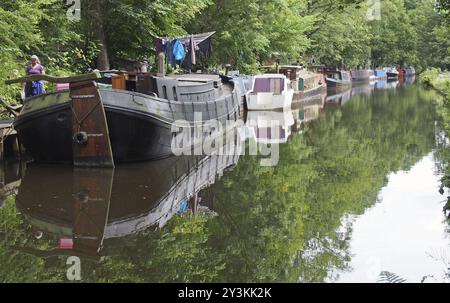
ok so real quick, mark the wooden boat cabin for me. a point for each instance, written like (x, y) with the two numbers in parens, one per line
(306, 84)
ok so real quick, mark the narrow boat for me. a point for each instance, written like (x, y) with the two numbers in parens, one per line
(391, 73)
(380, 74)
(409, 71)
(361, 75)
(140, 123)
(338, 80)
(270, 127)
(306, 84)
(270, 92)
(245, 83)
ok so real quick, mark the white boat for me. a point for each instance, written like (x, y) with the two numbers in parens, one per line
(391, 73)
(269, 92)
(270, 127)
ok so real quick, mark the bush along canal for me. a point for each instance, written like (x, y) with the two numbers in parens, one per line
(354, 197)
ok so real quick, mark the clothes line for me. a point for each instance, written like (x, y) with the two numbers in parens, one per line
(198, 38)
(177, 49)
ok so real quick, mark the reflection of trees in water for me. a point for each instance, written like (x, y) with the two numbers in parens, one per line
(279, 223)
(442, 160)
(439, 256)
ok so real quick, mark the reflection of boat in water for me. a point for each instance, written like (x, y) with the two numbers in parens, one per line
(392, 84)
(339, 98)
(309, 111)
(10, 179)
(84, 207)
(407, 80)
(386, 85)
(362, 89)
(380, 85)
(270, 127)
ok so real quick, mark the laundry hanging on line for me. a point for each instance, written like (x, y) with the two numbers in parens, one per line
(193, 44)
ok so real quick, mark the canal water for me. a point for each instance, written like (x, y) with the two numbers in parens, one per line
(353, 195)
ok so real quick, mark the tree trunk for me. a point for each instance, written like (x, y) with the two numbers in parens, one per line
(100, 36)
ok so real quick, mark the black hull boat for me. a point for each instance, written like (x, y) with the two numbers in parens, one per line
(392, 76)
(336, 84)
(391, 73)
(141, 126)
(338, 80)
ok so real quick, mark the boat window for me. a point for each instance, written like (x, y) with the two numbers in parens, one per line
(165, 91)
(174, 90)
(269, 85)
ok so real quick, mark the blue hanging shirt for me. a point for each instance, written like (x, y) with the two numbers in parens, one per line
(178, 50)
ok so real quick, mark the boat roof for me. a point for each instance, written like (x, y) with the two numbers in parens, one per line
(281, 76)
(292, 66)
(308, 74)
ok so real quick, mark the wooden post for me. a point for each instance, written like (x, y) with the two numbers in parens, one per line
(161, 65)
(91, 143)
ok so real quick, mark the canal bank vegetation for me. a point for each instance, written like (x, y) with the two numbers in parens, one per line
(439, 81)
(249, 33)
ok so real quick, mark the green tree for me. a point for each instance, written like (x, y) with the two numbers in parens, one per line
(125, 30)
(250, 31)
(342, 38)
(394, 38)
